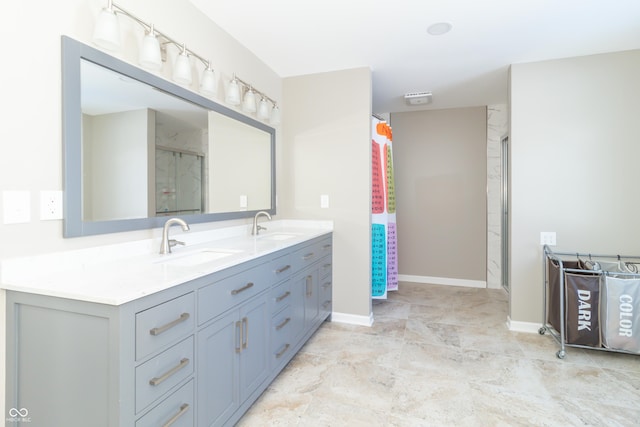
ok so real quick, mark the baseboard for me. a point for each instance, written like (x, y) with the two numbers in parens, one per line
(528, 327)
(352, 319)
(442, 281)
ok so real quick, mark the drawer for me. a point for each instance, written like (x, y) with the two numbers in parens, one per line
(325, 267)
(227, 293)
(326, 295)
(281, 268)
(282, 335)
(280, 296)
(164, 324)
(157, 376)
(176, 410)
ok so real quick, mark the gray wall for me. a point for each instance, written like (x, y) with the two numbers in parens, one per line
(575, 146)
(327, 150)
(440, 159)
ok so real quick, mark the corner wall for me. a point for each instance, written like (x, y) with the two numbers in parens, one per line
(574, 164)
(327, 146)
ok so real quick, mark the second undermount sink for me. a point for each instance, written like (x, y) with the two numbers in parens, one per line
(194, 258)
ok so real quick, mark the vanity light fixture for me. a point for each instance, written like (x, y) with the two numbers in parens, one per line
(249, 102)
(152, 52)
(182, 68)
(233, 92)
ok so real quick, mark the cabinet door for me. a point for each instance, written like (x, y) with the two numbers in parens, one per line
(219, 347)
(254, 354)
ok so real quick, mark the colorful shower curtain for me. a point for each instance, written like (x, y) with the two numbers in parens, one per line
(384, 263)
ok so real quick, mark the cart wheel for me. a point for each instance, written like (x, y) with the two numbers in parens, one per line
(542, 330)
(561, 354)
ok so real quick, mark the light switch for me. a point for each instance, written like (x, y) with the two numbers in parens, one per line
(324, 201)
(16, 207)
(548, 238)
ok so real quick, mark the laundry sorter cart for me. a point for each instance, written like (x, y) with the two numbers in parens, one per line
(592, 301)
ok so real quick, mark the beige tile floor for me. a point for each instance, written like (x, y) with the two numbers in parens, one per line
(442, 356)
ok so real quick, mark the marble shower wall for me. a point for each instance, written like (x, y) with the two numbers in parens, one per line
(497, 127)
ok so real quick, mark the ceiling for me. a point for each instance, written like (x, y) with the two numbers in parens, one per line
(467, 66)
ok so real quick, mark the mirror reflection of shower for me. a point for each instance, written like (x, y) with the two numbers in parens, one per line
(178, 182)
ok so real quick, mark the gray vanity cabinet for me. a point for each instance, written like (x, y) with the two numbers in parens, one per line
(199, 353)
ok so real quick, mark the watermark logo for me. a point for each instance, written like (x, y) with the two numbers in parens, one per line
(18, 415)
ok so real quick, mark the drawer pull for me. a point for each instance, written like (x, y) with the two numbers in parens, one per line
(327, 265)
(283, 296)
(326, 285)
(326, 247)
(242, 289)
(308, 256)
(183, 409)
(283, 324)
(283, 351)
(326, 304)
(161, 329)
(285, 268)
(157, 380)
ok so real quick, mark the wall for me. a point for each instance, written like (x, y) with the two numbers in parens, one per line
(327, 145)
(31, 146)
(441, 175)
(574, 165)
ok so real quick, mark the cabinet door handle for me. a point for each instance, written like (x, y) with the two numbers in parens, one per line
(242, 289)
(238, 336)
(309, 285)
(161, 329)
(285, 268)
(157, 380)
(283, 351)
(283, 296)
(183, 409)
(308, 256)
(245, 322)
(283, 324)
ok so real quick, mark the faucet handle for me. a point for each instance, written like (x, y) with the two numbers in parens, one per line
(174, 242)
(261, 227)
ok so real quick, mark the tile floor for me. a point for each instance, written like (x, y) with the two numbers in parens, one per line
(442, 356)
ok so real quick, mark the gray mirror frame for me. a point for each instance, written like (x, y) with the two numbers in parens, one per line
(74, 226)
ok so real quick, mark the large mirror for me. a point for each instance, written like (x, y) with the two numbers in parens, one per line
(138, 149)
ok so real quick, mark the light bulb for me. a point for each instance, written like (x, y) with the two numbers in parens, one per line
(263, 109)
(249, 103)
(209, 83)
(182, 68)
(150, 56)
(275, 115)
(106, 34)
(233, 93)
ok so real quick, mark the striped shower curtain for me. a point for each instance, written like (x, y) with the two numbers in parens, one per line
(384, 262)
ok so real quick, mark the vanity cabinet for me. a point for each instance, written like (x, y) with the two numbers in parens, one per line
(199, 353)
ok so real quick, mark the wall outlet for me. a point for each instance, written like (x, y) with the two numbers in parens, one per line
(548, 238)
(243, 201)
(324, 201)
(50, 205)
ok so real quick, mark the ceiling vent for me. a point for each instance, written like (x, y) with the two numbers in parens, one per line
(418, 98)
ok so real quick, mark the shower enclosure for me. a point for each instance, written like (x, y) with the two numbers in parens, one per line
(179, 178)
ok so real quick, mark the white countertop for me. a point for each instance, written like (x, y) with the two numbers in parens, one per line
(117, 274)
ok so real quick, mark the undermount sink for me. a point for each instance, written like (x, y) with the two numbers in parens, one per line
(279, 236)
(191, 259)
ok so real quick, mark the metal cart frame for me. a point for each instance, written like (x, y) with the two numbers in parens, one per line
(560, 336)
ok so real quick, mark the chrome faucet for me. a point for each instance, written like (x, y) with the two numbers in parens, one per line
(167, 244)
(256, 228)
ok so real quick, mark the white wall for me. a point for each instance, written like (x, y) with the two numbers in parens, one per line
(327, 147)
(574, 164)
(31, 144)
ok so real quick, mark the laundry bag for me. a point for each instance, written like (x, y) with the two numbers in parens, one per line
(621, 314)
(553, 291)
(582, 302)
